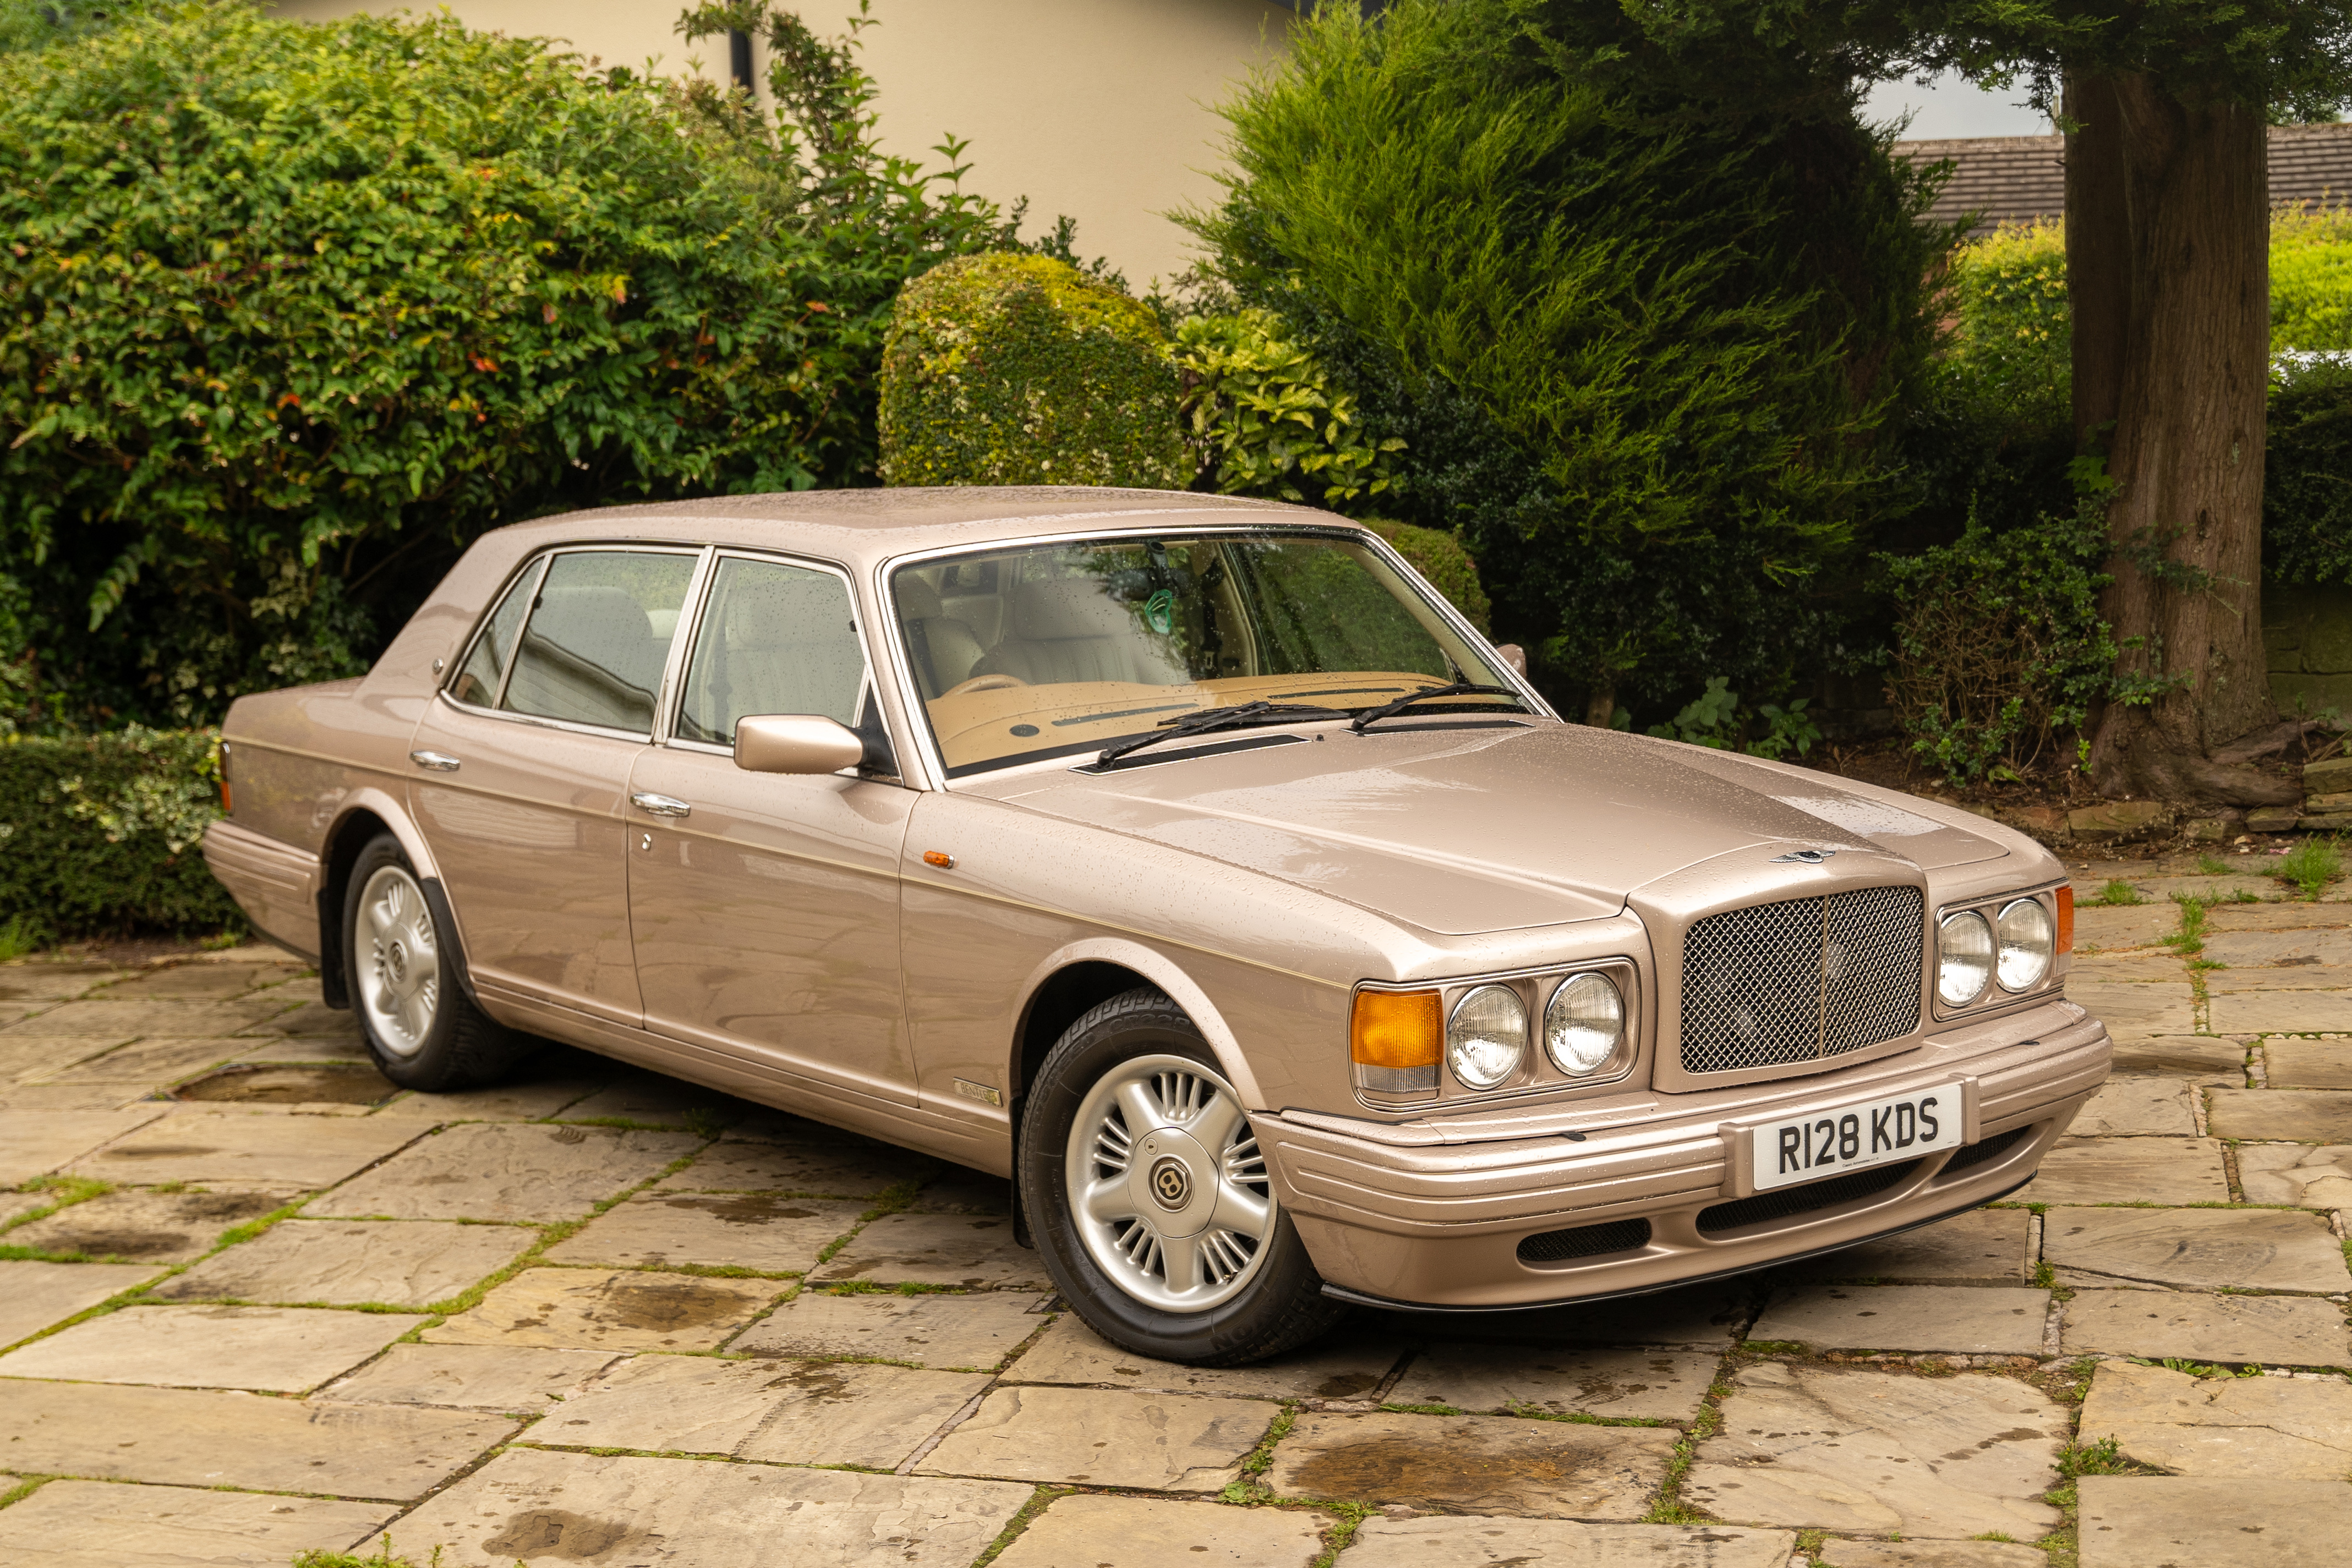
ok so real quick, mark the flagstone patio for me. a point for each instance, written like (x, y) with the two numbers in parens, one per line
(595, 1316)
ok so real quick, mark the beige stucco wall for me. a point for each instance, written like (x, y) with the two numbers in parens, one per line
(1099, 108)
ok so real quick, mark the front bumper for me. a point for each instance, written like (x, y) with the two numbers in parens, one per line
(1394, 1215)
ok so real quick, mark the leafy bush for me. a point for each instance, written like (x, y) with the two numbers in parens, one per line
(2307, 478)
(2310, 277)
(1439, 558)
(1020, 370)
(2000, 648)
(2014, 336)
(99, 834)
(292, 311)
(1646, 362)
(1715, 719)
(1263, 418)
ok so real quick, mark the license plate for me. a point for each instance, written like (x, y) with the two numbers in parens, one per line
(1851, 1137)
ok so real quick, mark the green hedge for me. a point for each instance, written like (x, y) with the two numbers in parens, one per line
(99, 833)
(2307, 477)
(1439, 558)
(1020, 370)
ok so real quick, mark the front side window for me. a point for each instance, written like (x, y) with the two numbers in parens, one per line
(598, 638)
(1050, 650)
(774, 639)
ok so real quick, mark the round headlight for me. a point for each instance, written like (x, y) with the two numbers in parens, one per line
(1486, 1037)
(1583, 1023)
(2028, 940)
(1963, 958)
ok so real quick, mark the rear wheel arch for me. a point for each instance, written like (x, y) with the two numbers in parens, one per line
(364, 816)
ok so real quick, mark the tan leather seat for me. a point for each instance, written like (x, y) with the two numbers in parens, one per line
(1067, 630)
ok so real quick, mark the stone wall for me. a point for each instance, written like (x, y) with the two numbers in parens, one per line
(2308, 631)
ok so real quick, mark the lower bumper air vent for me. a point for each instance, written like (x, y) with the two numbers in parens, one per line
(1985, 1150)
(1585, 1241)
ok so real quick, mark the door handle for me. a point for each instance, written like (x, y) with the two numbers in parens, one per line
(438, 761)
(659, 805)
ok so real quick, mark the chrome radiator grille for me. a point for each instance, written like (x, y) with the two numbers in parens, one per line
(1778, 983)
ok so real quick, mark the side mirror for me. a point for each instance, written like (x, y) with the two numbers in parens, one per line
(796, 743)
(1513, 655)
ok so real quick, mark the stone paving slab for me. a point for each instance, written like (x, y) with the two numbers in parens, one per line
(1985, 1246)
(1106, 1437)
(152, 1226)
(2199, 1249)
(406, 1263)
(1152, 1533)
(656, 1098)
(24, 1059)
(2280, 978)
(35, 1143)
(2280, 1012)
(2308, 1063)
(1476, 1543)
(1928, 1554)
(253, 1146)
(114, 1021)
(1699, 1317)
(736, 1230)
(2136, 1107)
(504, 1171)
(963, 1191)
(609, 1309)
(1475, 1464)
(2182, 1056)
(939, 1250)
(2291, 1428)
(1882, 1453)
(2145, 1522)
(1963, 1319)
(1337, 1366)
(2138, 1008)
(2327, 947)
(34, 1295)
(934, 1329)
(2130, 1170)
(797, 1412)
(552, 1507)
(276, 1350)
(310, 1018)
(2283, 915)
(2279, 1115)
(860, 1169)
(147, 1062)
(1614, 1382)
(180, 1437)
(2271, 1330)
(104, 1524)
(16, 1205)
(69, 1097)
(2100, 929)
(55, 982)
(2312, 1178)
(345, 1048)
(524, 1102)
(521, 1378)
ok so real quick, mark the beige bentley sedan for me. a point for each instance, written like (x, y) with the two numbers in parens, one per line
(1187, 860)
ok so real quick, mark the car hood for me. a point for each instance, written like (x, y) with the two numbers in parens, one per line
(1463, 831)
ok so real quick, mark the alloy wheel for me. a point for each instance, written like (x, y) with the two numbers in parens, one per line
(399, 971)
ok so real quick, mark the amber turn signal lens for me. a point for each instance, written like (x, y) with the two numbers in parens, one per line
(939, 858)
(2065, 920)
(1396, 1028)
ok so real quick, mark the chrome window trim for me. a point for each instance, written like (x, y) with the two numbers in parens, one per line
(1995, 998)
(1537, 1075)
(666, 729)
(538, 564)
(892, 635)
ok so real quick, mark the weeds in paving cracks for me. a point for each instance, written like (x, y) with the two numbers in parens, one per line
(2311, 865)
(2117, 893)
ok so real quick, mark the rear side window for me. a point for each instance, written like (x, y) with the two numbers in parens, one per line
(485, 674)
(776, 639)
(597, 638)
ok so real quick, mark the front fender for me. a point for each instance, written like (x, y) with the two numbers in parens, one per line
(1161, 971)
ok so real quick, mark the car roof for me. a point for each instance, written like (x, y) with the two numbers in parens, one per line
(862, 526)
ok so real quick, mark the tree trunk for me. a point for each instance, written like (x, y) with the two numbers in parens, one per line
(2168, 265)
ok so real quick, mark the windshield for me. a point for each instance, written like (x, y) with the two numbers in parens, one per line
(1050, 650)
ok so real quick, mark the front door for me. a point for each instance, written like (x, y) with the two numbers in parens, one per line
(766, 905)
(523, 763)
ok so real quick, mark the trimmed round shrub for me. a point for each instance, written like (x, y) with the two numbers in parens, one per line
(1439, 557)
(1020, 370)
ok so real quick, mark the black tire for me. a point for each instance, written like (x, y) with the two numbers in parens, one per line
(1280, 1305)
(458, 1046)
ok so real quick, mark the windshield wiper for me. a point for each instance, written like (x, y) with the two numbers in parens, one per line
(1206, 721)
(1429, 694)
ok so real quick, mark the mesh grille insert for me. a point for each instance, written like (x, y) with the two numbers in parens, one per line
(1992, 1149)
(1778, 984)
(1786, 1203)
(1585, 1241)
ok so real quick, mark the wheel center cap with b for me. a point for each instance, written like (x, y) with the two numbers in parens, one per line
(1172, 1182)
(395, 960)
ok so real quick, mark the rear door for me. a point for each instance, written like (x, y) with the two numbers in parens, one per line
(765, 906)
(523, 767)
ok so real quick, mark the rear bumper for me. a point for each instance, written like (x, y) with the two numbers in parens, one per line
(1439, 1225)
(274, 883)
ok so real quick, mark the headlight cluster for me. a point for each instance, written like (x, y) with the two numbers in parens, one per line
(2015, 946)
(1488, 1039)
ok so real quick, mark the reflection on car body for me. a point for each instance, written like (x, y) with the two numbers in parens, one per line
(1185, 859)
